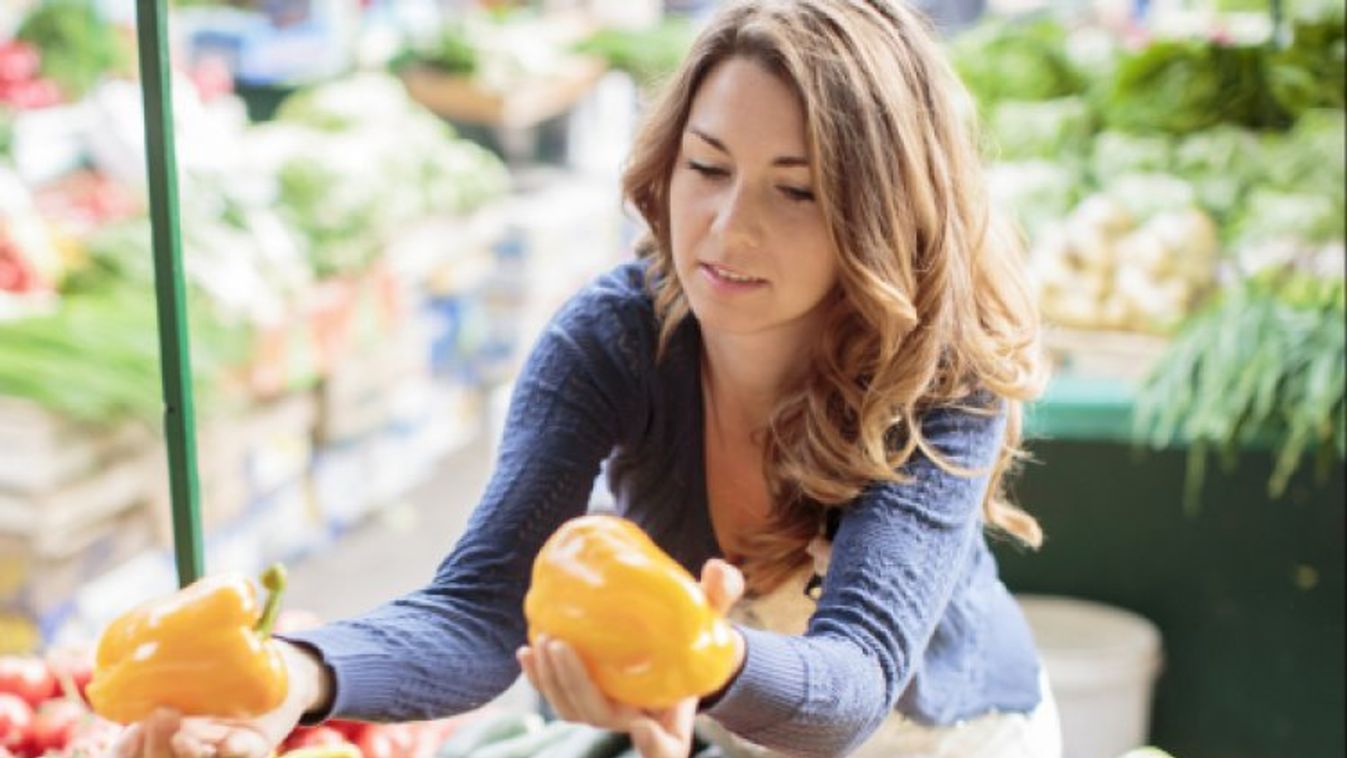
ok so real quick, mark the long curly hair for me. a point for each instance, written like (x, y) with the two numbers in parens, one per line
(932, 305)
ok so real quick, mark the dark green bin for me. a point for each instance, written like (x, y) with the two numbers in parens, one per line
(1247, 591)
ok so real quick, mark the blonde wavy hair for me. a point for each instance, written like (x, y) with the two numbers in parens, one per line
(933, 304)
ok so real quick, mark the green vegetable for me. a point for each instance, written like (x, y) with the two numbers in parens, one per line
(451, 52)
(1039, 193)
(1057, 129)
(1183, 86)
(1309, 73)
(1145, 195)
(488, 729)
(1272, 216)
(649, 55)
(587, 742)
(1118, 153)
(96, 359)
(76, 44)
(530, 744)
(1221, 163)
(1309, 158)
(1265, 363)
(1006, 59)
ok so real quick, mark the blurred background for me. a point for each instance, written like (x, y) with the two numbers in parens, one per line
(382, 201)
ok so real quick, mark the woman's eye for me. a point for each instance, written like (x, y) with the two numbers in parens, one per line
(798, 194)
(708, 170)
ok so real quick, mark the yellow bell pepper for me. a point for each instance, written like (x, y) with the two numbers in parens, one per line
(203, 651)
(640, 622)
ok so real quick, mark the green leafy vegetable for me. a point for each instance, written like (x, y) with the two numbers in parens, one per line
(648, 55)
(1265, 362)
(1184, 86)
(1016, 60)
(1058, 129)
(77, 45)
(1119, 153)
(1309, 73)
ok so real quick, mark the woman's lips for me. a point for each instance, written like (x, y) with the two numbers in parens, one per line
(729, 281)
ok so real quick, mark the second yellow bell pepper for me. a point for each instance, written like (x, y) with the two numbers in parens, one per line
(640, 621)
(203, 651)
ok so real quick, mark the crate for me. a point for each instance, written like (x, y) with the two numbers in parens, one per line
(462, 98)
(1103, 354)
(43, 451)
(39, 577)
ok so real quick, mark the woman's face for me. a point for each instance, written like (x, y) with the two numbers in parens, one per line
(749, 243)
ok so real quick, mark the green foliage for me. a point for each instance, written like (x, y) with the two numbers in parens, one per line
(451, 52)
(1309, 73)
(96, 359)
(1264, 363)
(1059, 129)
(77, 46)
(1016, 60)
(1184, 86)
(649, 55)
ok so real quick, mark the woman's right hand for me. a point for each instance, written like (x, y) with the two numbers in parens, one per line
(169, 734)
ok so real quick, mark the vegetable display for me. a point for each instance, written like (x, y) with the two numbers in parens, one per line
(1191, 187)
(638, 619)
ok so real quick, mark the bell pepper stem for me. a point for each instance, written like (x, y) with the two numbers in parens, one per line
(273, 579)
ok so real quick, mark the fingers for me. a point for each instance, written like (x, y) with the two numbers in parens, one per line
(166, 734)
(160, 728)
(187, 745)
(652, 741)
(592, 705)
(559, 675)
(128, 743)
(722, 583)
(243, 743)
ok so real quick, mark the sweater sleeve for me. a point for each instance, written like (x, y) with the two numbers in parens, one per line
(449, 647)
(895, 562)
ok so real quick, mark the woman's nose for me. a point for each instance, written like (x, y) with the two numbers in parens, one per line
(739, 221)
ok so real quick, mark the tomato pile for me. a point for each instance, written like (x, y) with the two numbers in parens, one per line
(42, 707)
(43, 712)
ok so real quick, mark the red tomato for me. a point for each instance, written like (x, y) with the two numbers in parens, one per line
(388, 741)
(351, 730)
(54, 725)
(73, 665)
(19, 61)
(32, 94)
(313, 736)
(28, 677)
(16, 723)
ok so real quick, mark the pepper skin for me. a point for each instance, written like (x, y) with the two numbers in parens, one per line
(641, 623)
(203, 651)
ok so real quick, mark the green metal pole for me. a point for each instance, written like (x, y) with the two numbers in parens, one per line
(175, 360)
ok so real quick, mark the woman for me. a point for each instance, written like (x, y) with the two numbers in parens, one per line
(809, 384)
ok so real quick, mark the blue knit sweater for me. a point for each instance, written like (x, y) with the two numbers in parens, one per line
(912, 615)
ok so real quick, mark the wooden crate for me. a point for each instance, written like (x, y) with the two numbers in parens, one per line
(44, 451)
(462, 98)
(1128, 356)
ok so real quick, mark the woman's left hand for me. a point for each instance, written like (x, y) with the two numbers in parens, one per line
(556, 671)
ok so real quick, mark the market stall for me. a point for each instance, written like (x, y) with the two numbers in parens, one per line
(368, 244)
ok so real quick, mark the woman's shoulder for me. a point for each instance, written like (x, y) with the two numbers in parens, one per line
(968, 430)
(612, 319)
(616, 298)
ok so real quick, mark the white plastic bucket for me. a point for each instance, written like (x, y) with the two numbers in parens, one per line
(1102, 662)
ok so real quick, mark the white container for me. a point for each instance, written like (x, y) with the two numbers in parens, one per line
(1102, 662)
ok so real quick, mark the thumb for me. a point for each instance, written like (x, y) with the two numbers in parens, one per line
(722, 583)
(653, 742)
